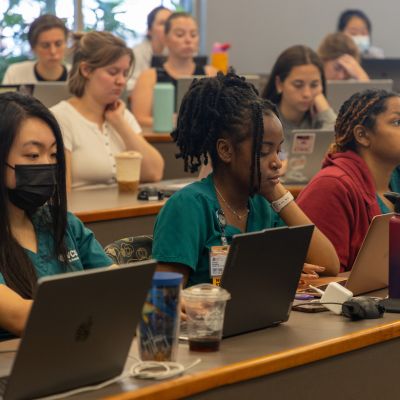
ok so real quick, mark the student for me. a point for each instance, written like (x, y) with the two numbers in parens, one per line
(223, 119)
(341, 58)
(297, 86)
(47, 37)
(153, 44)
(356, 24)
(38, 236)
(348, 192)
(95, 123)
(182, 42)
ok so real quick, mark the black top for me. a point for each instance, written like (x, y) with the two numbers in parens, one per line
(164, 77)
(62, 78)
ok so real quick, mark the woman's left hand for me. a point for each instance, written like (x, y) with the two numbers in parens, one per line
(114, 112)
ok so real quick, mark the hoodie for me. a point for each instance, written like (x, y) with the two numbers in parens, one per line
(341, 201)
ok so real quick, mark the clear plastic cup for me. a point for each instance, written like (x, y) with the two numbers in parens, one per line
(128, 165)
(158, 329)
(205, 309)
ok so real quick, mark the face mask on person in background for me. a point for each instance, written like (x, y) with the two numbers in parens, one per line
(363, 42)
(35, 184)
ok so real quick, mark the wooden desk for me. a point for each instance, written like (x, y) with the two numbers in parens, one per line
(164, 144)
(112, 215)
(310, 356)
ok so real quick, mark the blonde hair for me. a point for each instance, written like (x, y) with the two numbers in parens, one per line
(335, 45)
(97, 49)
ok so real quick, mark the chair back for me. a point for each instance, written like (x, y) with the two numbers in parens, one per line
(130, 249)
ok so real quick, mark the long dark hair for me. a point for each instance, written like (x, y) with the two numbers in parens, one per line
(15, 266)
(292, 57)
(223, 106)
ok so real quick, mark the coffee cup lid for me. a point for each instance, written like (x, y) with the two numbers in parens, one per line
(206, 291)
(129, 154)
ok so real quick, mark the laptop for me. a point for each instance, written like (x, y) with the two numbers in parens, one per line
(184, 83)
(79, 330)
(385, 68)
(370, 270)
(339, 91)
(262, 277)
(51, 93)
(306, 149)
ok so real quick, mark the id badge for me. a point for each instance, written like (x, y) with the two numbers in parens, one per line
(218, 256)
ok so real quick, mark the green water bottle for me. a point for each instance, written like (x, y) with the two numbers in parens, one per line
(163, 107)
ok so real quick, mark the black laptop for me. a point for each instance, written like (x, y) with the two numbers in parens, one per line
(79, 330)
(383, 68)
(261, 273)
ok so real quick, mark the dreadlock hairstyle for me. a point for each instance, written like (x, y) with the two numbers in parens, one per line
(220, 107)
(361, 108)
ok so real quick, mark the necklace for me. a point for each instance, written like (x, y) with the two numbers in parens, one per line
(234, 212)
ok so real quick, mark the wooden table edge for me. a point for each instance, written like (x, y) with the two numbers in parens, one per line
(191, 384)
(119, 213)
(158, 137)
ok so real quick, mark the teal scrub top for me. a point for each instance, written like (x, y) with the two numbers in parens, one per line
(394, 187)
(187, 227)
(83, 250)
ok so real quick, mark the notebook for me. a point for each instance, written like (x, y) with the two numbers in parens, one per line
(262, 277)
(183, 85)
(370, 270)
(80, 329)
(385, 68)
(339, 91)
(306, 150)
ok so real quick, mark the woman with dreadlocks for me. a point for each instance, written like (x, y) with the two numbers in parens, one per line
(348, 192)
(224, 119)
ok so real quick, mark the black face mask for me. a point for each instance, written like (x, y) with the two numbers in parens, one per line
(35, 184)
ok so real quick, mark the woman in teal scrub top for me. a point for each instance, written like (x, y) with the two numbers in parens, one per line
(223, 120)
(37, 236)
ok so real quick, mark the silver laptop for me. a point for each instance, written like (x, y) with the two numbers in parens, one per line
(184, 83)
(339, 91)
(79, 330)
(306, 149)
(370, 269)
(51, 93)
(262, 277)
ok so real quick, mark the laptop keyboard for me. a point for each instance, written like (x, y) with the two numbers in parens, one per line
(3, 384)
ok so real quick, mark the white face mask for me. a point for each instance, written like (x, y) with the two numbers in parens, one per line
(363, 42)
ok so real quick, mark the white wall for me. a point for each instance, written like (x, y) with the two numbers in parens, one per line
(259, 30)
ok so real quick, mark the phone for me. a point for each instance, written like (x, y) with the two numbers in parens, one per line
(309, 307)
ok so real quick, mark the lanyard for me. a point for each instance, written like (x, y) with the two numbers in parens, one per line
(222, 225)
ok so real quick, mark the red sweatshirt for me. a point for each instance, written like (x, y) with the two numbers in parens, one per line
(341, 202)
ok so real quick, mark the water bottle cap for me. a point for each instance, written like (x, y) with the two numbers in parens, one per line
(167, 279)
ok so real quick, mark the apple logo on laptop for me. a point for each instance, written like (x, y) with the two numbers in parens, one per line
(83, 331)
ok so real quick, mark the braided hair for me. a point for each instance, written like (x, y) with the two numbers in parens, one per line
(361, 108)
(222, 106)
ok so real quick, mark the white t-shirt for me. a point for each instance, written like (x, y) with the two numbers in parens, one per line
(21, 73)
(92, 150)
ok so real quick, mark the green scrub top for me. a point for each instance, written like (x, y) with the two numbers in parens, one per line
(83, 250)
(187, 227)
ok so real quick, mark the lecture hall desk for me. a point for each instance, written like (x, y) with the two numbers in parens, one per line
(312, 356)
(112, 215)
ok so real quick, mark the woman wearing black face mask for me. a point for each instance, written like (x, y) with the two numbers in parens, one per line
(37, 236)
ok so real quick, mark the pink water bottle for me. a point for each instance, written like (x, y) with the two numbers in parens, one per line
(393, 302)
